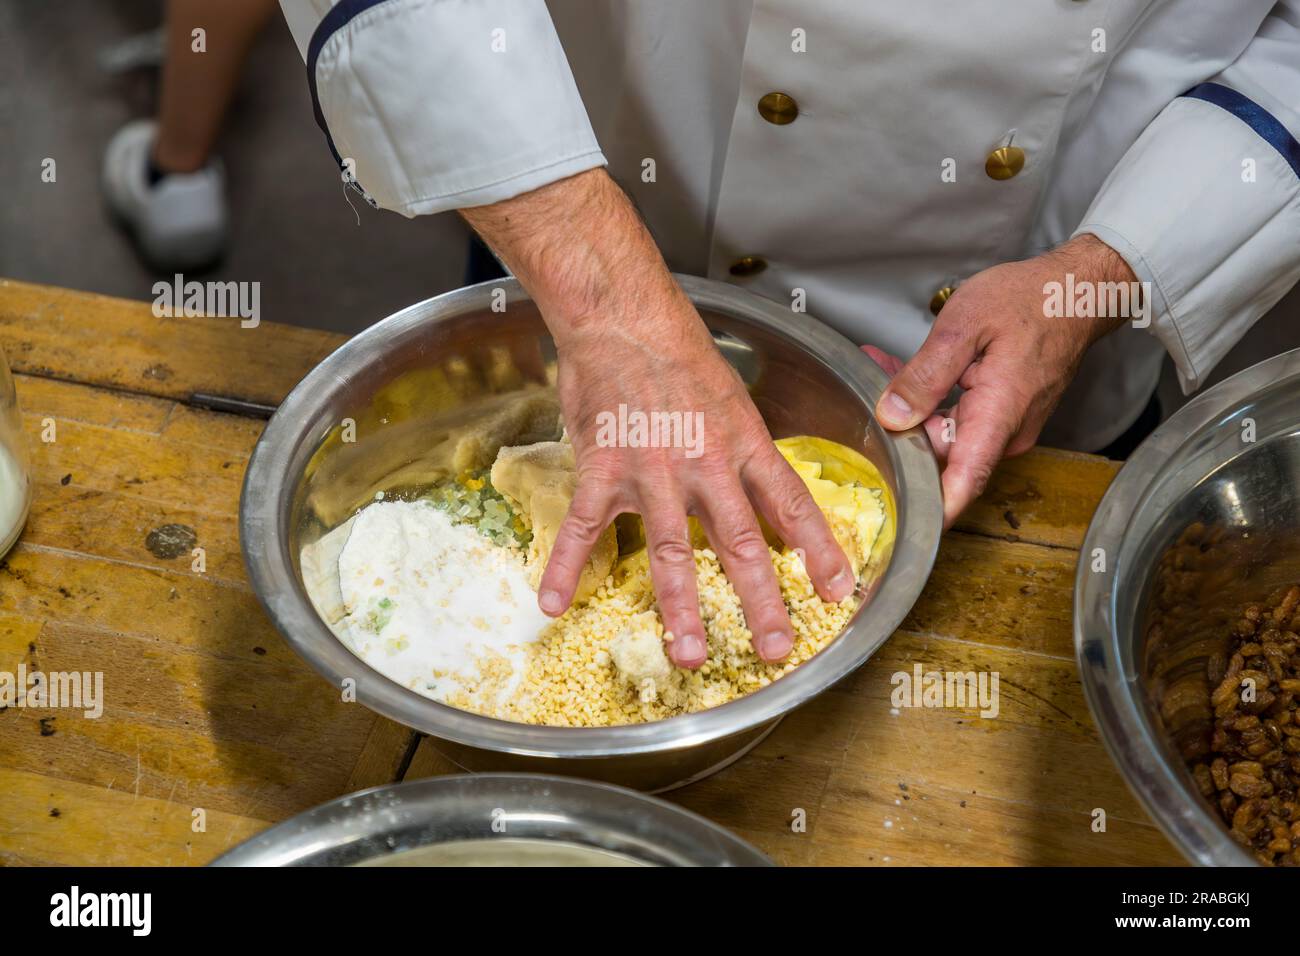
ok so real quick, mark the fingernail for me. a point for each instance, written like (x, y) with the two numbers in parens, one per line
(550, 602)
(895, 410)
(774, 647)
(840, 586)
(689, 650)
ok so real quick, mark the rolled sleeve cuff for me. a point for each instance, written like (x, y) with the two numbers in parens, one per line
(1205, 207)
(434, 105)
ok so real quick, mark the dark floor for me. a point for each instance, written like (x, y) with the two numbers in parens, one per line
(293, 229)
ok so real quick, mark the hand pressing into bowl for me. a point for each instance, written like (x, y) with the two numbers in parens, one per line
(627, 335)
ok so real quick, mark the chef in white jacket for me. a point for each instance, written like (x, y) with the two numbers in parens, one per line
(921, 174)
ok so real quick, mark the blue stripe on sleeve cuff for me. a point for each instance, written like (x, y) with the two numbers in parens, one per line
(1264, 123)
(339, 16)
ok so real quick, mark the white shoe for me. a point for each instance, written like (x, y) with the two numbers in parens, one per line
(181, 222)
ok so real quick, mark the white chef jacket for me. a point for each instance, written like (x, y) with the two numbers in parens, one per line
(1165, 127)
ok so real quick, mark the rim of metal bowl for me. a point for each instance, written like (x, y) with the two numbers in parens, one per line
(565, 809)
(264, 534)
(1126, 729)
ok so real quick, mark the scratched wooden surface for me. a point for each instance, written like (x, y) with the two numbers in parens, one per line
(208, 716)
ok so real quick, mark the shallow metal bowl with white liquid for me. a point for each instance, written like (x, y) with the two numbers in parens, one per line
(1203, 519)
(495, 820)
(394, 388)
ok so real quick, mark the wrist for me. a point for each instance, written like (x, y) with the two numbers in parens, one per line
(1117, 294)
(581, 250)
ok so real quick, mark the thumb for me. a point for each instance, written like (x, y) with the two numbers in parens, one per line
(925, 381)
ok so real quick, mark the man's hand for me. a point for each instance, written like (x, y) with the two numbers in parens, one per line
(994, 340)
(626, 334)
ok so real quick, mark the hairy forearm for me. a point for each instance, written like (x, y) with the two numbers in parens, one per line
(582, 252)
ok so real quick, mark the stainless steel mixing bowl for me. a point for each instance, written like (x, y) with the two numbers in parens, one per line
(403, 383)
(1203, 519)
(495, 820)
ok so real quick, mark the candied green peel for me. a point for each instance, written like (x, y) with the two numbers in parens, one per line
(378, 616)
(471, 499)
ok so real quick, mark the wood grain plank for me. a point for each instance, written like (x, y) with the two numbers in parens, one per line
(247, 736)
(428, 762)
(1000, 593)
(926, 787)
(170, 607)
(98, 340)
(225, 718)
(933, 828)
(91, 494)
(69, 401)
(141, 465)
(1046, 496)
(204, 699)
(232, 434)
(105, 524)
(52, 822)
(382, 756)
(980, 833)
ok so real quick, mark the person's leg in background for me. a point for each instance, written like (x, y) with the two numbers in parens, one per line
(197, 88)
(160, 176)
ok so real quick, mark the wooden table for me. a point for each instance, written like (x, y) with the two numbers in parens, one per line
(213, 729)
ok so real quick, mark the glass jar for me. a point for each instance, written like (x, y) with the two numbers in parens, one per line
(15, 483)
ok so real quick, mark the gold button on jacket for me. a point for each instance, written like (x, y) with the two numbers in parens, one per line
(778, 108)
(940, 297)
(748, 266)
(1004, 162)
